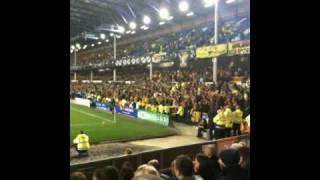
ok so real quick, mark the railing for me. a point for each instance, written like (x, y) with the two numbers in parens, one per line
(164, 156)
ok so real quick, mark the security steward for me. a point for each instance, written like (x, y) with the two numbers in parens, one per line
(219, 121)
(83, 145)
(237, 120)
(228, 120)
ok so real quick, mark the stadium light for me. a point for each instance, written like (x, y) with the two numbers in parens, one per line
(209, 3)
(84, 47)
(72, 47)
(111, 34)
(190, 14)
(118, 36)
(161, 23)
(78, 46)
(132, 25)
(183, 6)
(102, 36)
(170, 18)
(146, 20)
(133, 32)
(121, 29)
(146, 28)
(230, 1)
(163, 13)
(128, 32)
(99, 42)
(92, 45)
(107, 40)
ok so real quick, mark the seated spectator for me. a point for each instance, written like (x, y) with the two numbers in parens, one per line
(111, 173)
(183, 168)
(203, 167)
(202, 127)
(229, 163)
(155, 164)
(126, 171)
(146, 169)
(78, 176)
(99, 174)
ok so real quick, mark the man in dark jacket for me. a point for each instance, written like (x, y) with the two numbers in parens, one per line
(229, 163)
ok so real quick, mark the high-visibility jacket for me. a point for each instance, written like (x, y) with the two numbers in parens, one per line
(180, 111)
(248, 120)
(161, 108)
(153, 108)
(166, 109)
(219, 119)
(138, 105)
(228, 118)
(237, 116)
(82, 142)
(195, 116)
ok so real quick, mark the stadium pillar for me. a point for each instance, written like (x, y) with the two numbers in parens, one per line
(214, 60)
(75, 63)
(91, 76)
(115, 56)
(151, 70)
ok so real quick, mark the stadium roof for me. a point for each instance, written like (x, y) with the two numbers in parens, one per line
(89, 18)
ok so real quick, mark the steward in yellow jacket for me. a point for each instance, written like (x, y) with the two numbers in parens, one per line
(82, 142)
(237, 120)
(228, 121)
(220, 129)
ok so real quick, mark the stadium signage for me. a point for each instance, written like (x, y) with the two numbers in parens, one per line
(127, 111)
(230, 49)
(239, 48)
(102, 106)
(81, 101)
(161, 119)
(211, 51)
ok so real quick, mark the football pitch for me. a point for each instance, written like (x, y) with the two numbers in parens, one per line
(100, 126)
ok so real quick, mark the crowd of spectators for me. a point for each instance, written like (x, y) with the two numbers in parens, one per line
(233, 163)
(233, 30)
(174, 88)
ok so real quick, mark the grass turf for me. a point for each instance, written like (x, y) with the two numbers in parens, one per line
(125, 128)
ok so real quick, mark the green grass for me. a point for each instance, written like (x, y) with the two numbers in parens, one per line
(125, 128)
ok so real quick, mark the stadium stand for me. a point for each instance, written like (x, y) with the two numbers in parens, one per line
(181, 86)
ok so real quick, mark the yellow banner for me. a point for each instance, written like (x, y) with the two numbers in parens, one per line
(211, 51)
(239, 48)
(157, 58)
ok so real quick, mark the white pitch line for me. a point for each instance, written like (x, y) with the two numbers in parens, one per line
(92, 115)
(85, 124)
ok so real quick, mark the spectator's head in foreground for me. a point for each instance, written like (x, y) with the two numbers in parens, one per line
(183, 167)
(146, 169)
(78, 176)
(209, 150)
(111, 173)
(229, 158)
(147, 177)
(203, 166)
(99, 174)
(155, 164)
(126, 171)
